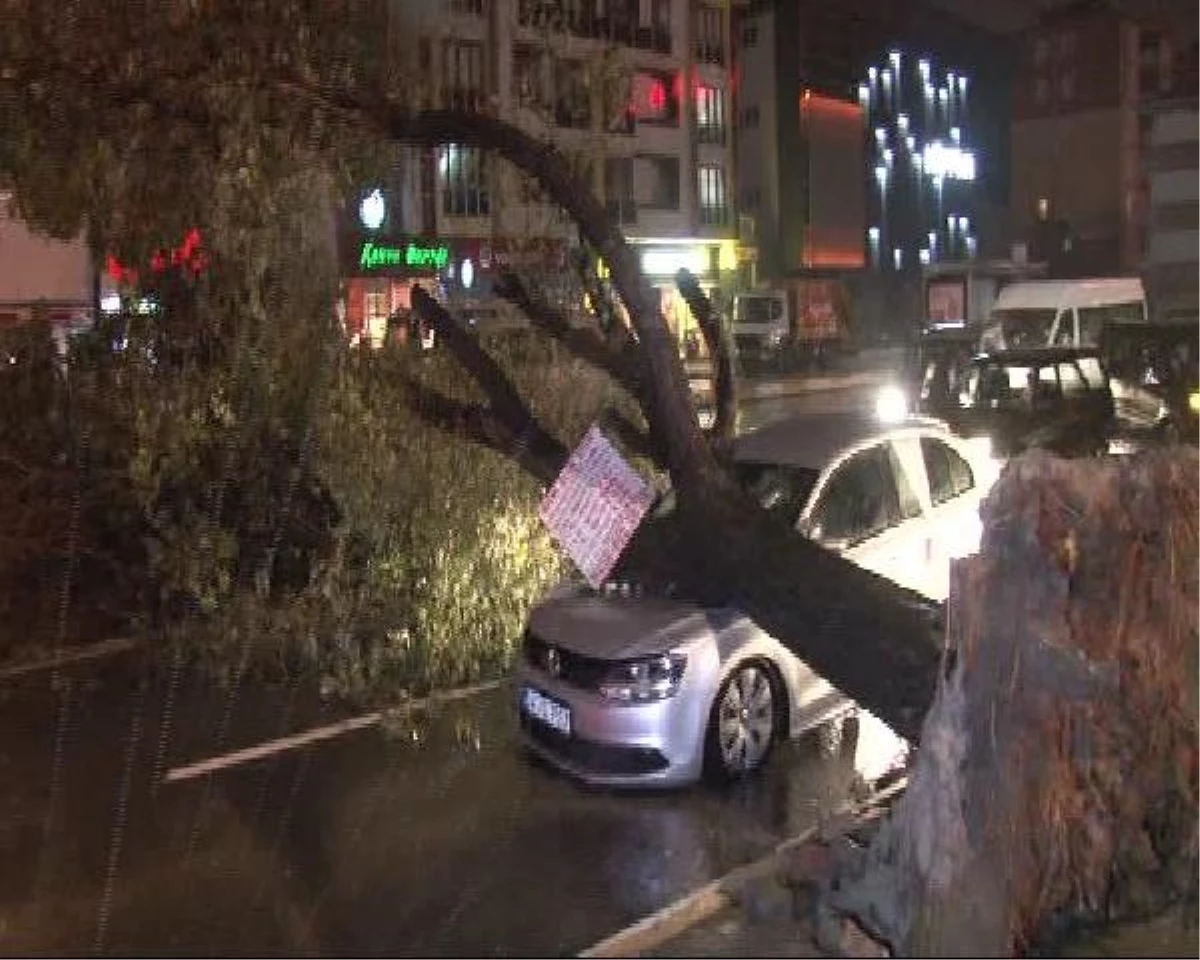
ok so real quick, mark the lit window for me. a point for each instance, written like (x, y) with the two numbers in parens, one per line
(710, 114)
(714, 210)
(464, 182)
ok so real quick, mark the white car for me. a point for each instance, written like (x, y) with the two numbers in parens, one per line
(623, 689)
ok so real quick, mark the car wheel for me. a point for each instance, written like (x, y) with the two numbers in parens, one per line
(743, 724)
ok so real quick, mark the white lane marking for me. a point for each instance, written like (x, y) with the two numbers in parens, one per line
(666, 924)
(73, 654)
(317, 734)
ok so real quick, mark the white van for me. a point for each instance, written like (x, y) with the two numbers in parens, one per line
(1062, 313)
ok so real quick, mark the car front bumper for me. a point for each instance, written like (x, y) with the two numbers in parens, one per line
(618, 744)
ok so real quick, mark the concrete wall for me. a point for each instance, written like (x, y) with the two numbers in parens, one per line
(34, 267)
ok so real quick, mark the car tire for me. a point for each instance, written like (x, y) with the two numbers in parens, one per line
(743, 723)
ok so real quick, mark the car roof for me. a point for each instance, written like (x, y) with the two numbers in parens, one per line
(811, 441)
(1032, 356)
(1051, 294)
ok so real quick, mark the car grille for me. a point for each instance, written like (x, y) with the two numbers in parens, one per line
(573, 668)
(599, 758)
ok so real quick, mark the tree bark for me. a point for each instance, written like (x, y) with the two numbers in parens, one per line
(720, 350)
(1056, 783)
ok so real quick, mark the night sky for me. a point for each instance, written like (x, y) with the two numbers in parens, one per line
(1009, 15)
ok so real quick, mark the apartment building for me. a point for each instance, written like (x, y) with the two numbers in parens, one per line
(1171, 264)
(636, 92)
(1082, 132)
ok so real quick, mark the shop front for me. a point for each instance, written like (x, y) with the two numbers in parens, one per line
(378, 275)
(714, 263)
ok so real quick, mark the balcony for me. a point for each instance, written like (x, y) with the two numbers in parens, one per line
(656, 39)
(714, 216)
(711, 134)
(468, 8)
(464, 98)
(709, 51)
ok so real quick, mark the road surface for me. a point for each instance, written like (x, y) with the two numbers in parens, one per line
(437, 837)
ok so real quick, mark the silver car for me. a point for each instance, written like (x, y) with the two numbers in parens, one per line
(624, 689)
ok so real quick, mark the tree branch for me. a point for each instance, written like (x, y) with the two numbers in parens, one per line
(508, 425)
(585, 342)
(720, 349)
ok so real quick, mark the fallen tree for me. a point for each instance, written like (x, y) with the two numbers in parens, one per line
(1057, 783)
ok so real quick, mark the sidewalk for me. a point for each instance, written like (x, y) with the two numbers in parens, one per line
(763, 909)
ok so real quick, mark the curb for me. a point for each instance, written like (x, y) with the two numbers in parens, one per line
(328, 731)
(795, 387)
(76, 653)
(676, 918)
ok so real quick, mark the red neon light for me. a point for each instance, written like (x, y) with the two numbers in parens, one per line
(187, 256)
(829, 105)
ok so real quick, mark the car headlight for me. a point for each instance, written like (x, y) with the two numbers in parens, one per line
(1194, 401)
(891, 404)
(644, 680)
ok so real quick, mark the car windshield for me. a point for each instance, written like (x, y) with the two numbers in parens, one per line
(999, 386)
(780, 489)
(1025, 327)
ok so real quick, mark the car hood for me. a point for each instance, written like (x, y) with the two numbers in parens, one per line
(616, 627)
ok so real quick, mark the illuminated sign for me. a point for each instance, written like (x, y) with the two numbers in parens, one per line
(372, 210)
(666, 262)
(415, 256)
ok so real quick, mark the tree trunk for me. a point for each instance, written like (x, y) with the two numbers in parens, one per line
(1056, 781)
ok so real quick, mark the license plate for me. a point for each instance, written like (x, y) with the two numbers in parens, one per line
(555, 715)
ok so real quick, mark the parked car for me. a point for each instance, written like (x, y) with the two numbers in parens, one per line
(622, 688)
(1055, 398)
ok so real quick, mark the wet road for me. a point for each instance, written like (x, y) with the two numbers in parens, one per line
(433, 837)
(439, 838)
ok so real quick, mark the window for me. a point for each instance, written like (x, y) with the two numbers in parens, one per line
(1070, 379)
(750, 35)
(750, 117)
(572, 106)
(710, 35)
(949, 474)
(470, 8)
(464, 182)
(618, 189)
(711, 193)
(656, 181)
(654, 99)
(463, 74)
(1041, 91)
(710, 114)
(782, 490)
(860, 499)
(529, 85)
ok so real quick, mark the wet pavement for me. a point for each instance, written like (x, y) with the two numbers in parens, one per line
(436, 839)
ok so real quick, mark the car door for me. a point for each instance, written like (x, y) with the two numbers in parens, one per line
(954, 526)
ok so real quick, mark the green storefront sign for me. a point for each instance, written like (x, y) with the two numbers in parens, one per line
(418, 257)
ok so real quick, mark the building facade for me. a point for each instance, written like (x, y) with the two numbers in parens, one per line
(1171, 264)
(831, 94)
(636, 92)
(1082, 133)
